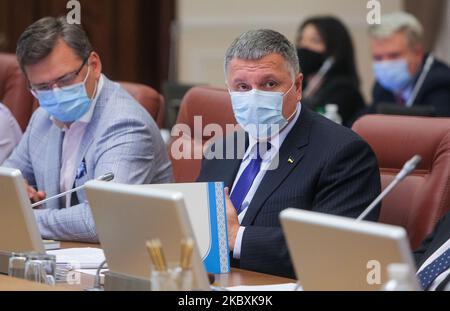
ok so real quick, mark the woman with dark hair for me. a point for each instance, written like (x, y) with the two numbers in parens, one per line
(327, 60)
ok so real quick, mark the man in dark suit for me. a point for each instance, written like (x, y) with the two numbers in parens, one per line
(405, 76)
(293, 157)
(433, 257)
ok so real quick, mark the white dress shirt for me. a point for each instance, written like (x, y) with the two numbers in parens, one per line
(267, 158)
(10, 133)
(73, 136)
(444, 274)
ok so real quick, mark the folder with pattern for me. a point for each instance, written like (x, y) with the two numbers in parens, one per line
(205, 205)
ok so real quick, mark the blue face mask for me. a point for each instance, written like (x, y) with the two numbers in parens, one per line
(66, 104)
(393, 75)
(259, 113)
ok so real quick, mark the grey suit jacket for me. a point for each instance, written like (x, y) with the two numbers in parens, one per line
(121, 138)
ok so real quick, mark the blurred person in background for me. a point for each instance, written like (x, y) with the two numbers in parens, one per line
(406, 76)
(327, 60)
(10, 133)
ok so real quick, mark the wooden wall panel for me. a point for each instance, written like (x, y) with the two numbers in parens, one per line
(131, 36)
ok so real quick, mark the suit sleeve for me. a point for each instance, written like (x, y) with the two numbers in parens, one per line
(126, 149)
(7, 142)
(440, 100)
(20, 158)
(268, 243)
(348, 184)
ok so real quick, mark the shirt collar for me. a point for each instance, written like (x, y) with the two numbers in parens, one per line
(276, 141)
(87, 117)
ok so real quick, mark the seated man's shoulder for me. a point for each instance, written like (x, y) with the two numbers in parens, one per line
(439, 73)
(4, 113)
(40, 120)
(120, 106)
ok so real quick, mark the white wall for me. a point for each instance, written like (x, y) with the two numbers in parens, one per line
(207, 27)
(442, 49)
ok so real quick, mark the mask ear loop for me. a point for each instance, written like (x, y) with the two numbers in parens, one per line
(95, 90)
(295, 111)
(87, 75)
(289, 119)
(290, 89)
(96, 83)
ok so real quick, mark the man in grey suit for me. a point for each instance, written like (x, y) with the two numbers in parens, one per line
(86, 126)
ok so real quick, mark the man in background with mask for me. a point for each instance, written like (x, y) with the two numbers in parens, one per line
(405, 75)
(86, 126)
(293, 157)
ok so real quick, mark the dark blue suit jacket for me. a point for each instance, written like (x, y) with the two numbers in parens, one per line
(333, 171)
(434, 93)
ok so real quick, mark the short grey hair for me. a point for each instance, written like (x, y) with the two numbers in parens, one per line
(256, 44)
(39, 39)
(398, 22)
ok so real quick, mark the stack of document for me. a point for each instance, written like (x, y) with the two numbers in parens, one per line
(288, 287)
(78, 258)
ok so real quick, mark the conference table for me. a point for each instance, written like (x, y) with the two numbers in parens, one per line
(236, 277)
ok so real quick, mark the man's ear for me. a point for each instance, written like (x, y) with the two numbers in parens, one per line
(418, 49)
(96, 64)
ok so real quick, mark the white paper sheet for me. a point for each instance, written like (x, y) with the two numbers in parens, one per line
(78, 258)
(288, 287)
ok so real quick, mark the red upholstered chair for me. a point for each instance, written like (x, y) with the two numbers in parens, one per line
(152, 101)
(14, 91)
(423, 197)
(214, 106)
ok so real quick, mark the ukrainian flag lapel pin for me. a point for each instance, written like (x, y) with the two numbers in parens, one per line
(290, 160)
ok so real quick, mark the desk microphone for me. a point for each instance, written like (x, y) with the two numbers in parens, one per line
(106, 177)
(406, 170)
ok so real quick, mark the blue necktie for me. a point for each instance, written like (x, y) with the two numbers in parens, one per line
(245, 182)
(433, 270)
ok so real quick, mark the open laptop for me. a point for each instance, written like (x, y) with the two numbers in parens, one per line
(336, 253)
(19, 232)
(18, 228)
(126, 217)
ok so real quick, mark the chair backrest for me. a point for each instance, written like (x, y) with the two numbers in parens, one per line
(422, 198)
(14, 91)
(149, 98)
(208, 106)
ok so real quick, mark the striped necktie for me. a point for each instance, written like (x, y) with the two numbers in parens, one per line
(433, 270)
(246, 179)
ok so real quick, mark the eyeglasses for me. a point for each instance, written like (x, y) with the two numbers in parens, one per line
(63, 81)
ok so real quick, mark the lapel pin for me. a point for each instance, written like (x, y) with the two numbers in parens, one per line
(290, 160)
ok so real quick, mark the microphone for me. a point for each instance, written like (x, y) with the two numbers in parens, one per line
(406, 170)
(106, 177)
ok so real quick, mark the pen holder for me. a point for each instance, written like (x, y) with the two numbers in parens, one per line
(172, 279)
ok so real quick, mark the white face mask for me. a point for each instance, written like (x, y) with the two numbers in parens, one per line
(260, 113)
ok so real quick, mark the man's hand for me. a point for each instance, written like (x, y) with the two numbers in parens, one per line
(233, 221)
(33, 194)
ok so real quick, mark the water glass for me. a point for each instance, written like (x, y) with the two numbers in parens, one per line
(16, 266)
(173, 279)
(41, 268)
